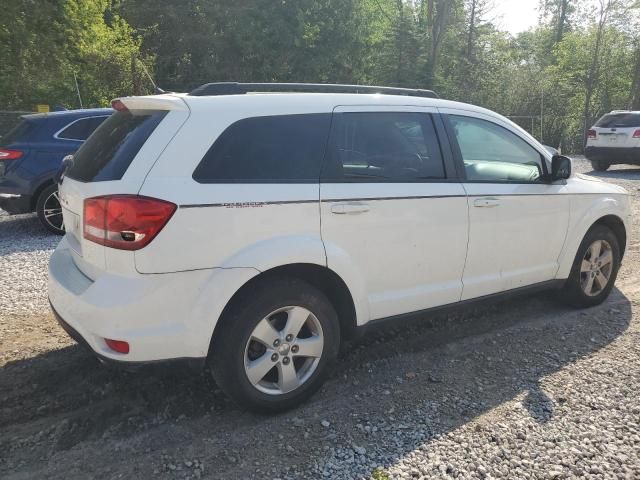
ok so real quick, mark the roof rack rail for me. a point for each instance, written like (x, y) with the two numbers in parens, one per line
(234, 88)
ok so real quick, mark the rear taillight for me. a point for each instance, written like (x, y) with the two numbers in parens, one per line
(118, 105)
(592, 134)
(125, 222)
(6, 154)
(636, 134)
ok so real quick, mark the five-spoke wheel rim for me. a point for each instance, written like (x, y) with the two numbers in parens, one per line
(52, 211)
(596, 268)
(283, 350)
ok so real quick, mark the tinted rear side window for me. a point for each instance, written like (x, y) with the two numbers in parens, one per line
(111, 149)
(619, 120)
(283, 148)
(383, 146)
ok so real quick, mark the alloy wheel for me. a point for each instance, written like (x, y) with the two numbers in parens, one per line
(283, 350)
(53, 211)
(596, 268)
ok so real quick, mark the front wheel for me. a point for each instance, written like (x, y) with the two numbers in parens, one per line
(594, 270)
(49, 210)
(275, 348)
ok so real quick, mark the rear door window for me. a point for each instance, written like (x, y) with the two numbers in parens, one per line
(272, 149)
(107, 154)
(619, 120)
(383, 146)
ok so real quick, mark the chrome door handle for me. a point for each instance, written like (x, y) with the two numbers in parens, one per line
(349, 208)
(486, 203)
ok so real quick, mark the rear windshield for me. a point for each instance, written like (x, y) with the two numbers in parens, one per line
(619, 120)
(107, 153)
(17, 133)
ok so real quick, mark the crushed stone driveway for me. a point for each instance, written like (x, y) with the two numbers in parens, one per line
(525, 388)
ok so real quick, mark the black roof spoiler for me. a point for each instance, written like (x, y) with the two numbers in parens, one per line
(234, 88)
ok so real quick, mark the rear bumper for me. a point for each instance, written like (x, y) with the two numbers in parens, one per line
(15, 204)
(163, 317)
(614, 155)
(74, 334)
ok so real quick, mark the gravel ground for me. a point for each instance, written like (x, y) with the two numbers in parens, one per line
(524, 388)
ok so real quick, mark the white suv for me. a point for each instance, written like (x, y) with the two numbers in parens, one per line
(254, 231)
(614, 139)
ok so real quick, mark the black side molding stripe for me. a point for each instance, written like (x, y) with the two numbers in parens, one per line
(293, 202)
(369, 199)
(246, 204)
(377, 199)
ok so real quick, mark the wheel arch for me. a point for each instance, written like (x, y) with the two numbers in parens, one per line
(616, 225)
(322, 278)
(607, 219)
(36, 193)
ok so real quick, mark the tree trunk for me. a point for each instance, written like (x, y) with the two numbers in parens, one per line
(472, 24)
(595, 66)
(562, 20)
(438, 29)
(634, 96)
(400, 43)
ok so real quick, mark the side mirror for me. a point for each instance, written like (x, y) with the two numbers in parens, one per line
(560, 168)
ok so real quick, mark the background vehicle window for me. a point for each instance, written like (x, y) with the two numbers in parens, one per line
(286, 148)
(77, 130)
(108, 153)
(383, 146)
(94, 122)
(619, 120)
(493, 153)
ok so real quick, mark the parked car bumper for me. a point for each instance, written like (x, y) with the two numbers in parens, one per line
(161, 317)
(614, 155)
(15, 204)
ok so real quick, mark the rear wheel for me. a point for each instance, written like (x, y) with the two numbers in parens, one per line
(595, 268)
(274, 349)
(600, 165)
(49, 210)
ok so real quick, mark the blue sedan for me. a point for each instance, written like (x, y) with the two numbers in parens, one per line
(31, 154)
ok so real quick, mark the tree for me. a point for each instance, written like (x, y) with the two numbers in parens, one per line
(605, 9)
(46, 43)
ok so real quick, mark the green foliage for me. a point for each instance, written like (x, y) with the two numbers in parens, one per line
(551, 71)
(45, 42)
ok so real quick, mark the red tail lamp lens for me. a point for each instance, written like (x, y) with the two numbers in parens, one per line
(125, 222)
(119, 106)
(6, 154)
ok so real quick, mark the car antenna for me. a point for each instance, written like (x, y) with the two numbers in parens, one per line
(157, 90)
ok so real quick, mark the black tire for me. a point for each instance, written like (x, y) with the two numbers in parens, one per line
(48, 200)
(573, 293)
(600, 165)
(227, 355)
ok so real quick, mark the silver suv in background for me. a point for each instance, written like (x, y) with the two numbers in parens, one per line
(614, 139)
